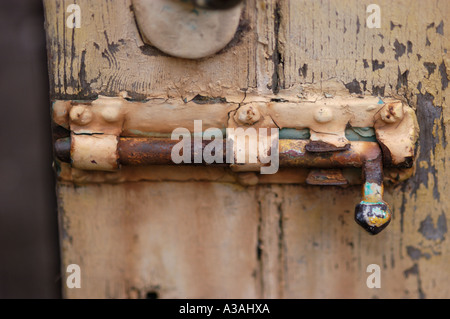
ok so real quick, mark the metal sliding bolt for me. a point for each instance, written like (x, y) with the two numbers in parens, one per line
(372, 213)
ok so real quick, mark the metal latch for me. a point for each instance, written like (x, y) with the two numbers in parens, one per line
(320, 133)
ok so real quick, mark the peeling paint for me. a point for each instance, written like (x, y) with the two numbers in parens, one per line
(444, 75)
(415, 253)
(427, 114)
(430, 66)
(440, 28)
(430, 232)
(376, 65)
(399, 48)
(353, 87)
(414, 270)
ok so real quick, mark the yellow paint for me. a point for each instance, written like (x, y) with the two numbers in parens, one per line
(376, 221)
(423, 164)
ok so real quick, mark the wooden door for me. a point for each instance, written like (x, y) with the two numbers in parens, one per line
(180, 232)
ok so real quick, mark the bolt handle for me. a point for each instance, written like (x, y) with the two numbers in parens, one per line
(373, 213)
(373, 217)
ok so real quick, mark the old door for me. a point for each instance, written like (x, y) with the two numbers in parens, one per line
(171, 231)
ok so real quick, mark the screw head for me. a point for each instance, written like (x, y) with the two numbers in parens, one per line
(373, 217)
(248, 115)
(110, 113)
(81, 115)
(323, 115)
(392, 112)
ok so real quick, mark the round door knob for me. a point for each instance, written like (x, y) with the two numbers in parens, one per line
(182, 29)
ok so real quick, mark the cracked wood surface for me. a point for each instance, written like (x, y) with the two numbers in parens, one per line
(215, 240)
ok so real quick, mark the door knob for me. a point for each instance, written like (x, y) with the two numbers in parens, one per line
(187, 29)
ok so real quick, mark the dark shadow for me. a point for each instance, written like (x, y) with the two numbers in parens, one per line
(29, 251)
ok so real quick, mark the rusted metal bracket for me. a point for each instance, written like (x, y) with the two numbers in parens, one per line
(108, 133)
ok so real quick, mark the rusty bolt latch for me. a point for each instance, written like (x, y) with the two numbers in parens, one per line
(372, 213)
(108, 133)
